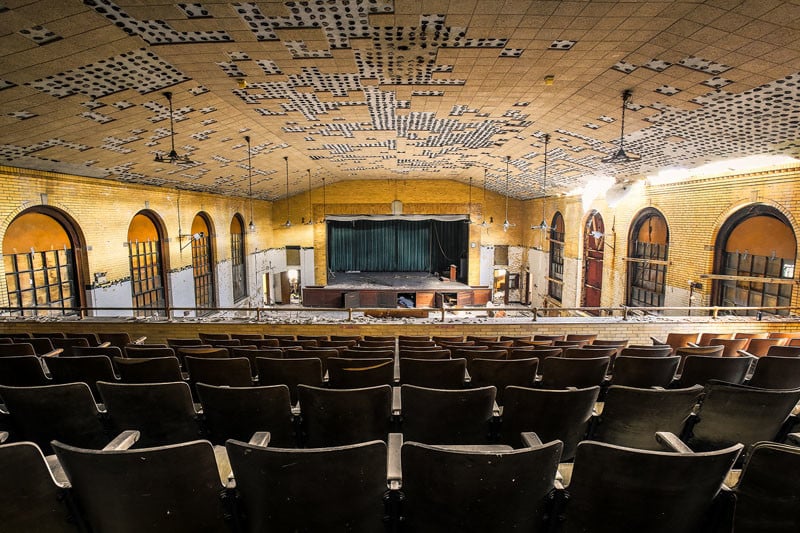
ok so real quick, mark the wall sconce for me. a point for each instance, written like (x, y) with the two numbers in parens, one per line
(549, 79)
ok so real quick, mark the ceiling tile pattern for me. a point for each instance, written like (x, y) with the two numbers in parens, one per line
(384, 89)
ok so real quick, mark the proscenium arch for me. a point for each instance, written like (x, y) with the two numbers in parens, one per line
(651, 245)
(203, 261)
(742, 239)
(146, 224)
(73, 234)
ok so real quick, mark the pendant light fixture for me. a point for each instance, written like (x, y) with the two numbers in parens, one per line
(506, 223)
(172, 157)
(324, 200)
(543, 224)
(310, 209)
(288, 223)
(484, 223)
(251, 226)
(620, 156)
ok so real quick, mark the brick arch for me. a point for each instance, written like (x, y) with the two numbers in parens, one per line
(66, 219)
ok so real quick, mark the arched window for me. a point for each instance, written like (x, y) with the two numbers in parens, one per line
(203, 262)
(593, 248)
(755, 242)
(238, 268)
(145, 241)
(43, 272)
(555, 278)
(648, 248)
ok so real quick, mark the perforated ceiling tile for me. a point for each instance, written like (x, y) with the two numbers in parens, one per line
(703, 65)
(40, 35)
(657, 64)
(717, 82)
(22, 115)
(624, 67)
(562, 44)
(153, 32)
(140, 70)
(195, 11)
(667, 90)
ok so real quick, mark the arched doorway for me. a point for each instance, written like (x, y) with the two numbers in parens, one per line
(593, 238)
(555, 279)
(203, 262)
(146, 253)
(648, 249)
(238, 263)
(755, 242)
(45, 264)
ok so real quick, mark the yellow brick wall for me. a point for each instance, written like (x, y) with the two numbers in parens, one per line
(694, 210)
(103, 209)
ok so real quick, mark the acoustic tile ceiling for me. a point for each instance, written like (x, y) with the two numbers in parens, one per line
(393, 89)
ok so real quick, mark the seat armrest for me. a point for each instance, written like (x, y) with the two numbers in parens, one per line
(3, 436)
(260, 438)
(745, 353)
(657, 342)
(57, 351)
(104, 344)
(530, 439)
(397, 403)
(672, 442)
(123, 441)
(394, 470)
(140, 340)
(793, 439)
(693, 345)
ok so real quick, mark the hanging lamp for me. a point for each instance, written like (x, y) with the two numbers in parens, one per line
(288, 223)
(543, 224)
(484, 223)
(251, 226)
(310, 209)
(506, 223)
(620, 156)
(172, 157)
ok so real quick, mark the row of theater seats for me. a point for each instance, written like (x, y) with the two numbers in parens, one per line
(436, 481)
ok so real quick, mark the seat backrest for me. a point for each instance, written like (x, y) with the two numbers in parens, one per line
(379, 345)
(164, 488)
(644, 371)
(443, 416)
(631, 416)
(22, 371)
(134, 351)
(30, 499)
(317, 338)
(289, 372)
(413, 338)
(251, 353)
(737, 413)
(225, 371)
(447, 338)
(337, 344)
(108, 351)
(769, 490)
(148, 369)
(541, 353)
(451, 490)
(588, 337)
(347, 373)
(699, 369)
(247, 337)
(323, 354)
(415, 353)
(348, 416)
(162, 412)
(760, 347)
(730, 347)
(590, 351)
(614, 488)
(433, 373)
(367, 353)
(307, 343)
(40, 345)
(708, 351)
(119, 339)
(264, 343)
(680, 340)
(90, 337)
(552, 414)
(315, 489)
(706, 338)
(545, 337)
(18, 349)
(482, 338)
(560, 372)
(87, 369)
(784, 351)
(647, 351)
(63, 412)
(182, 352)
(175, 343)
(775, 372)
(68, 344)
(502, 373)
(239, 412)
(207, 337)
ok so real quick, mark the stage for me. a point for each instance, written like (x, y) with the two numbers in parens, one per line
(385, 289)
